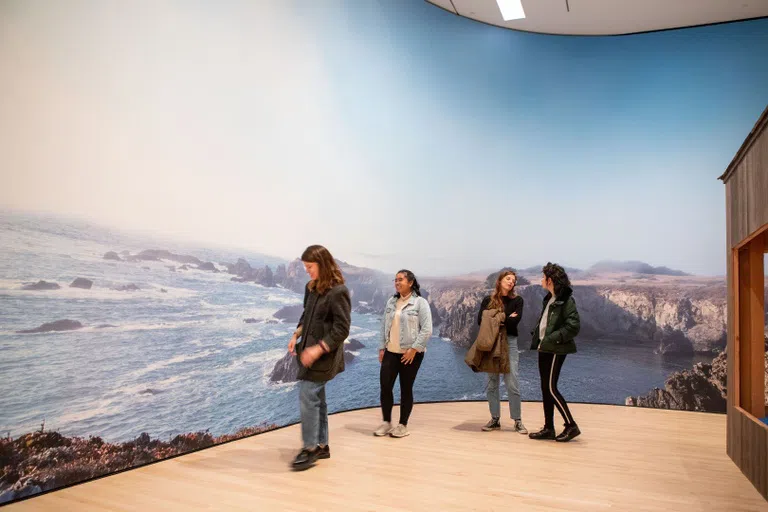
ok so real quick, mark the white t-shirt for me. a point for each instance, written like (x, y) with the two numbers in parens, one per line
(544, 318)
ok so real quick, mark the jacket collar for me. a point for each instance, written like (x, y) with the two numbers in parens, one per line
(563, 296)
(411, 299)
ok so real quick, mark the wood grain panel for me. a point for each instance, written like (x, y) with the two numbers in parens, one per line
(746, 187)
(627, 458)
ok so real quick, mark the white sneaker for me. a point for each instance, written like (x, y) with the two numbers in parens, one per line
(520, 428)
(400, 431)
(383, 430)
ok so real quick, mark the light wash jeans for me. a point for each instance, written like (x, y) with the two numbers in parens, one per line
(511, 381)
(314, 414)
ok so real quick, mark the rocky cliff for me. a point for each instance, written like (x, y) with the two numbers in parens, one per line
(41, 461)
(703, 388)
(673, 318)
(665, 309)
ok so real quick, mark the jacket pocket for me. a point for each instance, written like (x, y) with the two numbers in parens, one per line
(412, 320)
(324, 363)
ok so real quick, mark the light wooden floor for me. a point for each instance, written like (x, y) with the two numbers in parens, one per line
(626, 459)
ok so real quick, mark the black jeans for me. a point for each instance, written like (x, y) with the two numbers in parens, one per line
(391, 367)
(549, 371)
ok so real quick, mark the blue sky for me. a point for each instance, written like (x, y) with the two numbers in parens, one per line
(393, 132)
(624, 135)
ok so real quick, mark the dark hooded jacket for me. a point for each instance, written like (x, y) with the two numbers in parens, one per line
(563, 324)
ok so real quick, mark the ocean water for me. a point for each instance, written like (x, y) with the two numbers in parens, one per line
(178, 356)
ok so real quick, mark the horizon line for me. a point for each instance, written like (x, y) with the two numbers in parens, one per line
(267, 255)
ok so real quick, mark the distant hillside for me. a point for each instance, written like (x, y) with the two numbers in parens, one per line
(636, 267)
(573, 272)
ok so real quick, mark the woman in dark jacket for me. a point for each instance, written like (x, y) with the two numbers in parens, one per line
(322, 329)
(505, 299)
(553, 337)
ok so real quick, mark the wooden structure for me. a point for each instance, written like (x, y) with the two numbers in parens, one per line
(627, 458)
(746, 185)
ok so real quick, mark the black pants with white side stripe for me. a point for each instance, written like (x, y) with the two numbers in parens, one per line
(549, 371)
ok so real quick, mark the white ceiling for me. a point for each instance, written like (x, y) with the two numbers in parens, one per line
(608, 17)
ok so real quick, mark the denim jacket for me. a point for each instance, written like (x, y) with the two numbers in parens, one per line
(415, 323)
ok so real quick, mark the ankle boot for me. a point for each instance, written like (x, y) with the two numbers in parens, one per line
(545, 433)
(569, 433)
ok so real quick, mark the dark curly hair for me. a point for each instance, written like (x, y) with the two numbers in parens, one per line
(558, 276)
(415, 288)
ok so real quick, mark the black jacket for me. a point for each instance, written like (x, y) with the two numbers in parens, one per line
(325, 318)
(511, 305)
(563, 325)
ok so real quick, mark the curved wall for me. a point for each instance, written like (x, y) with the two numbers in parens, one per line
(164, 165)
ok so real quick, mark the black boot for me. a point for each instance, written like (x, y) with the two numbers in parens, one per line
(545, 433)
(569, 433)
(323, 452)
(305, 459)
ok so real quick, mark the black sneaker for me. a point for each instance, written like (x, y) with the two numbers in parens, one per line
(569, 433)
(323, 452)
(304, 460)
(545, 433)
(492, 425)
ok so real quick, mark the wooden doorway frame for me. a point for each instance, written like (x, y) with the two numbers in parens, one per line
(749, 345)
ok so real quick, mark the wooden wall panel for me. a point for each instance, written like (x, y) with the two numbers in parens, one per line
(758, 183)
(749, 440)
(746, 187)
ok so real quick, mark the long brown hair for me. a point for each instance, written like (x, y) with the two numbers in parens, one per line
(496, 298)
(330, 273)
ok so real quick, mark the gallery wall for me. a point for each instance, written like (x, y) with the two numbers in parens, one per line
(164, 164)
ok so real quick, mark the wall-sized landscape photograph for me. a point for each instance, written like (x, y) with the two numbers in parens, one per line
(164, 168)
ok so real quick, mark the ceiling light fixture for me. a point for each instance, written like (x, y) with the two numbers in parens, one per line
(511, 9)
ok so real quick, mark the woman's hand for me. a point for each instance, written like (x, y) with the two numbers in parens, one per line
(310, 355)
(381, 355)
(292, 345)
(408, 356)
(513, 315)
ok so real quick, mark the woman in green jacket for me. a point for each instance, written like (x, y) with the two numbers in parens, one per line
(553, 337)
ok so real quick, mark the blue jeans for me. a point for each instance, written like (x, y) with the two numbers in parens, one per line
(314, 414)
(511, 381)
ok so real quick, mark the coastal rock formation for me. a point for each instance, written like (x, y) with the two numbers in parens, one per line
(703, 388)
(41, 285)
(290, 314)
(112, 255)
(287, 368)
(58, 325)
(127, 288)
(643, 306)
(161, 254)
(245, 273)
(457, 305)
(82, 282)
(673, 319)
(353, 344)
(41, 461)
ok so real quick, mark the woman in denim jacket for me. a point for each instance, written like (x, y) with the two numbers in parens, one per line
(406, 328)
